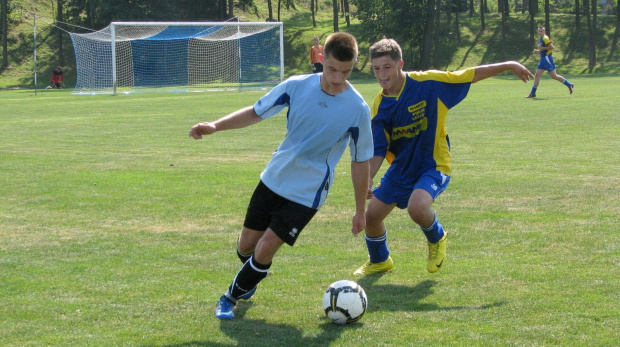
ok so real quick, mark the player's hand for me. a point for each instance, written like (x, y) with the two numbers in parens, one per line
(522, 72)
(359, 223)
(370, 194)
(200, 129)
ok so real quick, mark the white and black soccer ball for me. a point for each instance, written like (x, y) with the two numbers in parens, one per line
(344, 302)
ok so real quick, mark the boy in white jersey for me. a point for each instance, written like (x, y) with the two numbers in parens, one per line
(325, 114)
(408, 125)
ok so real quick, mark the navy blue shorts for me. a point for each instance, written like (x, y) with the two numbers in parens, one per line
(270, 210)
(389, 192)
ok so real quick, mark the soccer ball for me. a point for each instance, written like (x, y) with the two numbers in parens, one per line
(344, 302)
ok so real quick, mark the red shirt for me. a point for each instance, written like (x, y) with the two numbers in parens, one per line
(57, 76)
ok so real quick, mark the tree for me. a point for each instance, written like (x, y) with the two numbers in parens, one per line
(335, 8)
(90, 13)
(547, 24)
(347, 16)
(5, 32)
(505, 13)
(59, 19)
(312, 11)
(591, 46)
(456, 26)
(392, 18)
(425, 55)
(270, 7)
(436, 31)
(482, 12)
(577, 16)
(532, 9)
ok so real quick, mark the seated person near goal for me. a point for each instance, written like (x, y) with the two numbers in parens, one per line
(58, 78)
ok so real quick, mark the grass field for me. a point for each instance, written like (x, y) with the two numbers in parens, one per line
(116, 229)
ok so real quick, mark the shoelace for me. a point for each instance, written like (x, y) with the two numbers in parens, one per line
(433, 248)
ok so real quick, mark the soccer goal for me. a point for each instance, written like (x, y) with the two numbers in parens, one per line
(130, 57)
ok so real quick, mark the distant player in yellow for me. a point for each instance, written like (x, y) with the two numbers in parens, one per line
(545, 48)
(409, 130)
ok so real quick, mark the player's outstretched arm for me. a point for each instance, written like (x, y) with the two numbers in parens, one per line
(490, 70)
(238, 119)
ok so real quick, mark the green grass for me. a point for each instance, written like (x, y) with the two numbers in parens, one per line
(118, 229)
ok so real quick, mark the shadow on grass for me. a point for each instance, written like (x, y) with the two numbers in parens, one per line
(390, 297)
(257, 332)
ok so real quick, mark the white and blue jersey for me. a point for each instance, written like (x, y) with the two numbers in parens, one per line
(319, 127)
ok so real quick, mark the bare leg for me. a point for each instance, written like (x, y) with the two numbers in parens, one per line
(248, 240)
(420, 208)
(267, 247)
(376, 213)
(556, 77)
(539, 73)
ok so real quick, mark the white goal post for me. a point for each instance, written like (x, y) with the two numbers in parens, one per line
(129, 57)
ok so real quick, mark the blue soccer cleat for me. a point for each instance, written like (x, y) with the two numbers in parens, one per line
(224, 308)
(249, 294)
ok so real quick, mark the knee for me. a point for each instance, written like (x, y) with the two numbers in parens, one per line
(373, 219)
(417, 213)
(245, 245)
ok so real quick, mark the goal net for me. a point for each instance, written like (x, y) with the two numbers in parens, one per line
(129, 57)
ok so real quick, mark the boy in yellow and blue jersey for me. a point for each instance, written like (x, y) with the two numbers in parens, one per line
(545, 48)
(409, 130)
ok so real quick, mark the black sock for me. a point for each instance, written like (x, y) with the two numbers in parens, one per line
(248, 277)
(243, 257)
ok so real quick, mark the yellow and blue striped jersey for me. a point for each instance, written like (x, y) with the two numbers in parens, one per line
(409, 129)
(545, 41)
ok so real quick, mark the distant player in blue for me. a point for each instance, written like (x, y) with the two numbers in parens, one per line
(409, 130)
(545, 48)
(325, 114)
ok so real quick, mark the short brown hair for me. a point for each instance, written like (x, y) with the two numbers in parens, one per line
(342, 46)
(385, 47)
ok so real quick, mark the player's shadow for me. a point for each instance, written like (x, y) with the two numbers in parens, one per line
(257, 332)
(391, 297)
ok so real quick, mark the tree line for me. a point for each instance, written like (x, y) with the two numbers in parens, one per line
(414, 23)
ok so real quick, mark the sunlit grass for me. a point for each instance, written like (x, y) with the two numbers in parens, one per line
(118, 229)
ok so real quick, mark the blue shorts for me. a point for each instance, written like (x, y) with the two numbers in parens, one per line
(389, 192)
(546, 63)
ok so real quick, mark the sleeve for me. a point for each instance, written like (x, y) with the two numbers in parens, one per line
(380, 131)
(273, 102)
(361, 144)
(451, 87)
